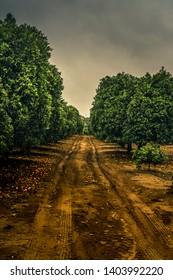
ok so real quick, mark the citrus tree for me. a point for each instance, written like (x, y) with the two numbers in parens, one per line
(149, 154)
(32, 110)
(6, 128)
(128, 109)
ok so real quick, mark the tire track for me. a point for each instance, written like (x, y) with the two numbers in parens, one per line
(145, 216)
(50, 233)
(93, 222)
(151, 234)
(54, 236)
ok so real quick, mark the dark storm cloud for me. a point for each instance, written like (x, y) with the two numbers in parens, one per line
(94, 38)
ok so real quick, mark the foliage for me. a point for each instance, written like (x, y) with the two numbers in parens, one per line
(55, 88)
(108, 113)
(86, 125)
(149, 154)
(70, 119)
(128, 109)
(6, 128)
(31, 90)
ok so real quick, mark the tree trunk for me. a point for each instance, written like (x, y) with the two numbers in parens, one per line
(139, 146)
(149, 166)
(129, 147)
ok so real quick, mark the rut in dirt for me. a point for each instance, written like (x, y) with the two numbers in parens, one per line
(89, 212)
(50, 235)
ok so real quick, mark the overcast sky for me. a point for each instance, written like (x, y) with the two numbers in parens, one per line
(95, 38)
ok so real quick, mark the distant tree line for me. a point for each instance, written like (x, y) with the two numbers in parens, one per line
(128, 109)
(32, 110)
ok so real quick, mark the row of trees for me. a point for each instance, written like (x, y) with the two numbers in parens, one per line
(32, 110)
(128, 109)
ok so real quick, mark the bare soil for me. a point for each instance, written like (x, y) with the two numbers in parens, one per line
(84, 199)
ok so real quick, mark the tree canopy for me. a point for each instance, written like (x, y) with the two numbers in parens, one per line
(31, 102)
(129, 109)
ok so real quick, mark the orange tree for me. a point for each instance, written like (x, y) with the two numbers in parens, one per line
(35, 112)
(128, 109)
(109, 111)
(149, 154)
(109, 107)
(150, 112)
(6, 128)
(23, 72)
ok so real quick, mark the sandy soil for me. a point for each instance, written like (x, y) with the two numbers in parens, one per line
(84, 199)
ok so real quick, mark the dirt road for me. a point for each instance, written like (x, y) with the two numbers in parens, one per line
(95, 205)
